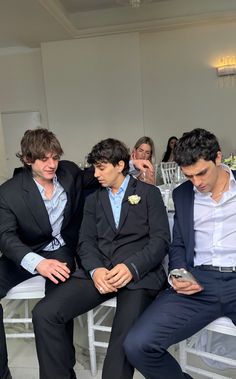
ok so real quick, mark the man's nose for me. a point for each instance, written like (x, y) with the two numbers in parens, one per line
(196, 181)
(96, 173)
(52, 162)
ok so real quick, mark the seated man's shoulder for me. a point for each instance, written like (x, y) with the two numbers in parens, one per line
(146, 187)
(11, 185)
(69, 166)
(183, 188)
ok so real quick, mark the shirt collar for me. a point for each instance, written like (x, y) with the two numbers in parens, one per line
(41, 188)
(123, 186)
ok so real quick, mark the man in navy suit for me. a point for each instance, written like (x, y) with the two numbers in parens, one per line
(123, 239)
(204, 243)
(40, 216)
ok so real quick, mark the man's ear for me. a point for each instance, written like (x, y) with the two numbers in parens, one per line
(26, 161)
(121, 165)
(218, 159)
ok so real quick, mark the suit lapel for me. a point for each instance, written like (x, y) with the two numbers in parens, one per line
(188, 220)
(131, 190)
(105, 201)
(34, 203)
(65, 182)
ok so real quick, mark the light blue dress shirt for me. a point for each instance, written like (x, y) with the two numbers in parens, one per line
(55, 208)
(116, 202)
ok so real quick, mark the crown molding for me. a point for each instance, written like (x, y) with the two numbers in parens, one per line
(55, 9)
(164, 24)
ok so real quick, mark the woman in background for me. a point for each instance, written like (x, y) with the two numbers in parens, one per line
(168, 155)
(144, 149)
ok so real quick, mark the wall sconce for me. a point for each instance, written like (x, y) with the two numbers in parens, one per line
(226, 71)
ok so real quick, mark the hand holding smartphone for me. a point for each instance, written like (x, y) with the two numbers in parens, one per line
(183, 275)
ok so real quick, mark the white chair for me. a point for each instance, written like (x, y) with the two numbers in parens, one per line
(191, 346)
(168, 170)
(17, 309)
(99, 320)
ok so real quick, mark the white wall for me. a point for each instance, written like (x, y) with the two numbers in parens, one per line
(22, 89)
(125, 86)
(93, 89)
(180, 87)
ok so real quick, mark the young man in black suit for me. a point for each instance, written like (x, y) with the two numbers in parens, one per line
(123, 239)
(40, 215)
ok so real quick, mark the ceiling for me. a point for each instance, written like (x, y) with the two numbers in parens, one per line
(28, 23)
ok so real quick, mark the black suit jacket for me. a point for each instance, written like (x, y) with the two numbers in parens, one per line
(24, 221)
(140, 241)
(181, 253)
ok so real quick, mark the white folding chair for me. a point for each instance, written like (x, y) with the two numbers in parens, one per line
(99, 320)
(191, 346)
(16, 306)
(168, 170)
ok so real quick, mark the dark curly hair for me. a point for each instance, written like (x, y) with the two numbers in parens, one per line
(112, 151)
(195, 145)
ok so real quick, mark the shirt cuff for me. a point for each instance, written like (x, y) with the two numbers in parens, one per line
(132, 169)
(31, 261)
(91, 272)
(170, 280)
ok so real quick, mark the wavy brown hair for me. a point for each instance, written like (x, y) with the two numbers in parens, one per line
(36, 143)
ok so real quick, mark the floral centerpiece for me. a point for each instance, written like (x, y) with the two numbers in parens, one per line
(231, 161)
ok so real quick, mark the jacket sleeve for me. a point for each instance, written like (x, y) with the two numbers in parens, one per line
(10, 244)
(177, 252)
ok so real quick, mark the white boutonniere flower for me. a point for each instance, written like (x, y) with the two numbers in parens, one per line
(134, 199)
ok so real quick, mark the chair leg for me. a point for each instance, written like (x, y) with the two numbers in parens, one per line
(81, 321)
(26, 306)
(183, 355)
(91, 340)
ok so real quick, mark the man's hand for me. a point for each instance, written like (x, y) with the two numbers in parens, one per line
(100, 282)
(119, 276)
(53, 269)
(185, 288)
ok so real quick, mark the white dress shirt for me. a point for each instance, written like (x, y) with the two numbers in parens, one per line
(215, 227)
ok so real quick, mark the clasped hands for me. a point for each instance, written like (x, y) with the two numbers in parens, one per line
(107, 281)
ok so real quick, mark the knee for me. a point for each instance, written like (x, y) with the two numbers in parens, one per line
(43, 313)
(136, 345)
(139, 345)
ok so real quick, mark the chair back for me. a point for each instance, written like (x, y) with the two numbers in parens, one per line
(168, 170)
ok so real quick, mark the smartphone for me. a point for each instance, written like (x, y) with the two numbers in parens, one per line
(183, 275)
